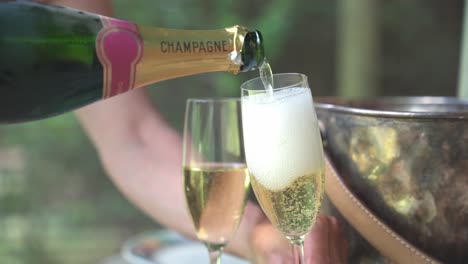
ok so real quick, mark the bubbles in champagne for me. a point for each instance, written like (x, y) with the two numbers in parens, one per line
(216, 194)
(282, 140)
(293, 209)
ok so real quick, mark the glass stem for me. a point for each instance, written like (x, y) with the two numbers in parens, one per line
(298, 250)
(215, 254)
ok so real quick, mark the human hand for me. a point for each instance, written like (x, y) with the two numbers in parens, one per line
(323, 244)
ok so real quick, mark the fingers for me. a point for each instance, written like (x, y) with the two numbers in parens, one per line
(316, 246)
(336, 242)
(325, 243)
(268, 239)
(270, 246)
(342, 243)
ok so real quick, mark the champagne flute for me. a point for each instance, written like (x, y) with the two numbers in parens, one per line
(284, 154)
(216, 180)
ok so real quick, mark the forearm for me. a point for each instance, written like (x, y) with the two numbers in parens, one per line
(142, 155)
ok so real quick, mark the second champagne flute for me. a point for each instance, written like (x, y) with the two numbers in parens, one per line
(216, 179)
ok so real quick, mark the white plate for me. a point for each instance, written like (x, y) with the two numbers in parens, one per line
(195, 253)
(168, 247)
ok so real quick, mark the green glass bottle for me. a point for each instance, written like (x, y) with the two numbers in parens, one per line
(55, 59)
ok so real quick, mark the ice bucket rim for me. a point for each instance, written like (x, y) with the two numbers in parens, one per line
(375, 106)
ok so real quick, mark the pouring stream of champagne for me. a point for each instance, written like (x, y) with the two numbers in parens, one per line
(266, 75)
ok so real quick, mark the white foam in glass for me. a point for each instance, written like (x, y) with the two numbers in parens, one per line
(282, 140)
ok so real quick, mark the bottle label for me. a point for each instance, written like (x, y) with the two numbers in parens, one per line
(119, 48)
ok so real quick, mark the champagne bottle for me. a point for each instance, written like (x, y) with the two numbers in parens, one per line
(55, 59)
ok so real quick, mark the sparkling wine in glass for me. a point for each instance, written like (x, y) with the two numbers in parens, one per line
(284, 154)
(216, 180)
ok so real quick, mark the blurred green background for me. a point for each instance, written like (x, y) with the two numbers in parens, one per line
(58, 206)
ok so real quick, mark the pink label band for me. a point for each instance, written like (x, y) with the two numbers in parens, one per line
(119, 48)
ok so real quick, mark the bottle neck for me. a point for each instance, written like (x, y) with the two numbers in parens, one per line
(171, 53)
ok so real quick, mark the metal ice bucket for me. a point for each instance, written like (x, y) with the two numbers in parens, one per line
(406, 159)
